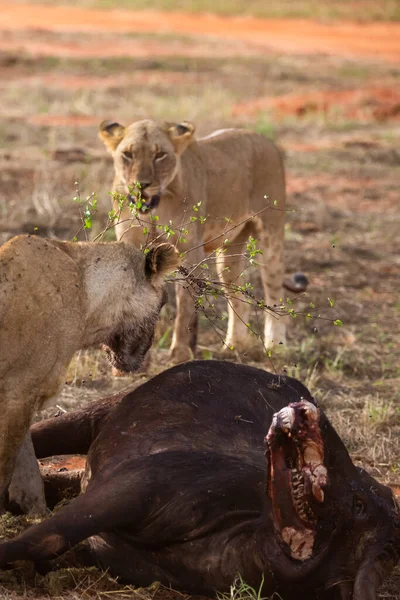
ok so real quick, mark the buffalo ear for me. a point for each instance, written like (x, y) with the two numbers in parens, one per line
(160, 260)
(111, 133)
(181, 135)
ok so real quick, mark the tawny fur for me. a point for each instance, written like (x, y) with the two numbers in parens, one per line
(234, 174)
(57, 298)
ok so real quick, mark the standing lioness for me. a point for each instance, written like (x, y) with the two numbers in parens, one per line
(56, 298)
(234, 174)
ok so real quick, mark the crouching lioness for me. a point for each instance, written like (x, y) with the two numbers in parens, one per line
(230, 176)
(56, 298)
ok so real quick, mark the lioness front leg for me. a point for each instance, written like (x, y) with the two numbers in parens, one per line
(26, 489)
(231, 266)
(16, 448)
(185, 327)
(272, 274)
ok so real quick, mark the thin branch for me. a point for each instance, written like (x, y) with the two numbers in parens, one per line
(230, 229)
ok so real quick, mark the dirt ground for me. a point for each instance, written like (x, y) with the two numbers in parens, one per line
(328, 94)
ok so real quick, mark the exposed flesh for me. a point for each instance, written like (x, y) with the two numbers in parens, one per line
(297, 475)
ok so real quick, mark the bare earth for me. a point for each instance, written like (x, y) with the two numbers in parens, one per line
(329, 96)
(345, 39)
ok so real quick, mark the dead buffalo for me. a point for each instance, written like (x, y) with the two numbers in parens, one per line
(213, 469)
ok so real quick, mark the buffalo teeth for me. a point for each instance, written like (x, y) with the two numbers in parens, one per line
(286, 418)
(310, 409)
(303, 509)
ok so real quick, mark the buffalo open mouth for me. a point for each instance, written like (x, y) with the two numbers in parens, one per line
(297, 475)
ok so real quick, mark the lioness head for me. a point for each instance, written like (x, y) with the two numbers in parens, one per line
(128, 343)
(146, 153)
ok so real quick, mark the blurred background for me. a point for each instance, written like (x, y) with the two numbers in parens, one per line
(322, 79)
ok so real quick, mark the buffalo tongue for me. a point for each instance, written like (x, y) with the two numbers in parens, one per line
(300, 542)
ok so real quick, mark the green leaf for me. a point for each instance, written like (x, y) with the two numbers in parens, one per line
(338, 323)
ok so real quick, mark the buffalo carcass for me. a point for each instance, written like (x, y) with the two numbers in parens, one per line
(213, 469)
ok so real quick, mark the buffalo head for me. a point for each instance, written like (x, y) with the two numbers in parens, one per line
(338, 526)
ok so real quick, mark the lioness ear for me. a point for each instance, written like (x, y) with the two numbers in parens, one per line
(111, 133)
(181, 134)
(160, 260)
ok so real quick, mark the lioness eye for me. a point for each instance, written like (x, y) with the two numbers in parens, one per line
(160, 155)
(127, 155)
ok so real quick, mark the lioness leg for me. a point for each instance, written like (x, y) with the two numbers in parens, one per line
(17, 413)
(230, 266)
(26, 488)
(185, 326)
(271, 239)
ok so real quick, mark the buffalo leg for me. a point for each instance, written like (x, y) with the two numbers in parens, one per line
(100, 509)
(71, 433)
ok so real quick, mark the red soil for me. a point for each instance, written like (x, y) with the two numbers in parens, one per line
(374, 103)
(63, 120)
(70, 463)
(120, 47)
(216, 36)
(373, 40)
(344, 193)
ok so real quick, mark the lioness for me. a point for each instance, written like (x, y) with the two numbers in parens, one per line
(56, 298)
(234, 174)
